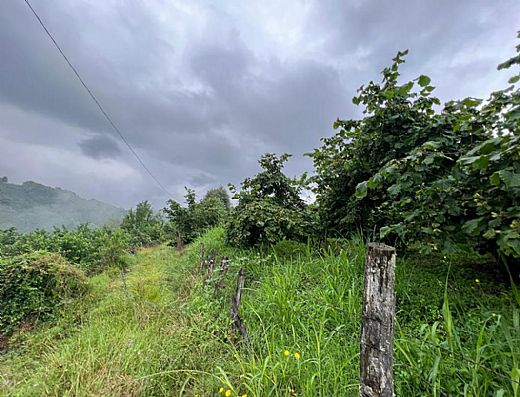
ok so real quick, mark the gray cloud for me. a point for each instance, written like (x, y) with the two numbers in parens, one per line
(99, 147)
(201, 90)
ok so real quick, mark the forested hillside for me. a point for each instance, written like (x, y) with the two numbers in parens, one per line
(31, 206)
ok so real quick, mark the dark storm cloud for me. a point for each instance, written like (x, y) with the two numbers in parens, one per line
(99, 147)
(200, 90)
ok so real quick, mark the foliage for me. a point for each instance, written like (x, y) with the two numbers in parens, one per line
(92, 249)
(143, 226)
(445, 178)
(191, 221)
(33, 285)
(392, 127)
(269, 207)
(454, 334)
(286, 249)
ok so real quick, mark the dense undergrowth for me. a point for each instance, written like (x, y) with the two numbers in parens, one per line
(457, 329)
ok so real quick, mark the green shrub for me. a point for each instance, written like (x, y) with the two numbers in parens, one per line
(269, 207)
(33, 285)
(189, 222)
(444, 177)
(92, 249)
(143, 226)
(288, 249)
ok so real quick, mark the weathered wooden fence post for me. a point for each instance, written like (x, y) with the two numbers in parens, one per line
(224, 266)
(179, 244)
(238, 324)
(201, 265)
(211, 265)
(377, 323)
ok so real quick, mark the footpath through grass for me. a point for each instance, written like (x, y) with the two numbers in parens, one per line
(105, 344)
(457, 332)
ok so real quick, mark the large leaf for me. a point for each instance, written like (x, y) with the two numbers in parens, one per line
(424, 80)
(511, 179)
(472, 227)
(361, 190)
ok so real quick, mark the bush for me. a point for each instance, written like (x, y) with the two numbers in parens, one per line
(92, 249)
(288, 249)
(191, 221)
(143, 226)
(269, 207)
(33, 285)
(445, 178)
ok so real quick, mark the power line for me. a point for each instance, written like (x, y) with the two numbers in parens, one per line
(116, 129)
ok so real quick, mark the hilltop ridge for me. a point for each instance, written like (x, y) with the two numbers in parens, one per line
(31, 206)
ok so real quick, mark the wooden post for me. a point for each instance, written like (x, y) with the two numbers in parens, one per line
(238, 325)
(211, 266)
(201, 265)
(377, 323)
(224, 266)
(179, 243)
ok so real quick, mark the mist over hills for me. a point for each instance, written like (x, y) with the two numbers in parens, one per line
(31, 206)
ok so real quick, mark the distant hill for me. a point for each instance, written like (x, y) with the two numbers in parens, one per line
(31, 206)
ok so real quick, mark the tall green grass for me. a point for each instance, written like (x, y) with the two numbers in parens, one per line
(172, 337)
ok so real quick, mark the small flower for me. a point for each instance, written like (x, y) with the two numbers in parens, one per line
(286, 353)
(244, 395)
(477, 281)
(297, 356)
(221, 390)
(493, 315)
(228, 393)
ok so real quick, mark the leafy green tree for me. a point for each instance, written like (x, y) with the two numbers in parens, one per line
(192, 220)
(143, 226)
(441, 178)
(221, 194)
(269, 207)
(393, 125)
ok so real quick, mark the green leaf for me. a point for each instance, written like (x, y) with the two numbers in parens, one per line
(471, 102)
(478, 162)
(371, 183)
(472, 227)
(405, 89)
(389, 94)
(361, 190)
(511, 179)
(384, 231)
(489, 234)
(495, 179)
(424, 80)
(481, 163)
(394, 190)
(432, 145)
(429, 159)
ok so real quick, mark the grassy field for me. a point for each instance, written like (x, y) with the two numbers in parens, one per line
(458, 330)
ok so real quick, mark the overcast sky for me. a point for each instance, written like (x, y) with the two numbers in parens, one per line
(202, 88)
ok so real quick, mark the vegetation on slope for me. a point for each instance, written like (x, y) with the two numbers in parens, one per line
(171, 335)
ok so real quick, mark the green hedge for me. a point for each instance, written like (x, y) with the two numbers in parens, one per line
(33, 285)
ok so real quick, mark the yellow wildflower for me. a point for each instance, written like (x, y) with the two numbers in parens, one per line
(297, 356)
(228, 392)
(221, 390)
(244, 395)
(477, 280)
(286, 353)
